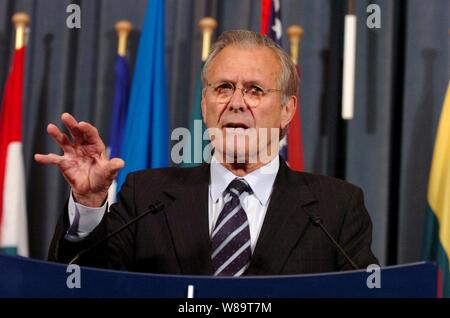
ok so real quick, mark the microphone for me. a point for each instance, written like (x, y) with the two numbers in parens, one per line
(317, 221)
(153, 208)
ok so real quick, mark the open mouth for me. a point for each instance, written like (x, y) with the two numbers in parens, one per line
(234, 126)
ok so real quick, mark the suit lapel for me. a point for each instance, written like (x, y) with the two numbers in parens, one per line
(284, 223)
(187, 219)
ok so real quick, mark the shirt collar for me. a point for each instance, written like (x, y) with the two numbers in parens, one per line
(261, 180)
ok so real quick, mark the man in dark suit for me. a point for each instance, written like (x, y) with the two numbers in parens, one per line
(246, 213)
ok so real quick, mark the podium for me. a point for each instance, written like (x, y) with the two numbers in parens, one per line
(24, 277)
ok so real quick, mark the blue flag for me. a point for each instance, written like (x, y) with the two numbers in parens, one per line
(146, 140)
(120, 107)
(118, 116)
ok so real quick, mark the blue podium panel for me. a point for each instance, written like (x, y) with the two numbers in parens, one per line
(23, 277)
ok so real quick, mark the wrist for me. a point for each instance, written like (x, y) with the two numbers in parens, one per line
(92, 200)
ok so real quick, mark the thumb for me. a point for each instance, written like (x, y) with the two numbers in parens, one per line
(115, 164)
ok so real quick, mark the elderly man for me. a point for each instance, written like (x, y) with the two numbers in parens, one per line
(246, 213)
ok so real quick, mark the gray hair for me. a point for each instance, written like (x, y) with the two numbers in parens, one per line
(288, 78)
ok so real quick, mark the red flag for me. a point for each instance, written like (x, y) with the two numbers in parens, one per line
(295, 139)
(13, 229)
(266, 8)
(292, 148)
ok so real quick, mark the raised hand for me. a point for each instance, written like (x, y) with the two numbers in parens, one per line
(84, 163)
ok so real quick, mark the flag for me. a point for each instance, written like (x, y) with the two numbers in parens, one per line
(291, 146)
(197, 127)
(118, 116)
(13, 220)
(295, 140)
(437, 228)
(271, 20)
(146, 139)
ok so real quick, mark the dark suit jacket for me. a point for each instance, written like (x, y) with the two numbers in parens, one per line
(176, 240)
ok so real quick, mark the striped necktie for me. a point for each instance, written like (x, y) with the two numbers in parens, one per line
(231, 251)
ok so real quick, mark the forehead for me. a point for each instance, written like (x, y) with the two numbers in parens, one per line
(245, 64)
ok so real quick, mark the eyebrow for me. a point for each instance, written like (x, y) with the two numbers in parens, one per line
(246, 83)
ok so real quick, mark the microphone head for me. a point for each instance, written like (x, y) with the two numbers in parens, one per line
(156, 207)
(315, 219)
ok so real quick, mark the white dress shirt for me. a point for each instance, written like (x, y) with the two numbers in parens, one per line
(255, 205)
(83, 220)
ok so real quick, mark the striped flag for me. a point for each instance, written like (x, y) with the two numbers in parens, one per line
(437, 231)
(13, 216)
(291, 146)
(146, 138)
(118, 116)
(271, 20)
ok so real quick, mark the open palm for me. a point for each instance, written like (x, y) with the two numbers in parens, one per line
(83, 163)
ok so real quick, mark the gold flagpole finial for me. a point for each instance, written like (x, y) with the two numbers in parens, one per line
(351, 7)
(208, 25)
(123, 29)
(20, 20)
(295, 34)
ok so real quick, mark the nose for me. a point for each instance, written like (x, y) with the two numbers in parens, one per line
(237, 102)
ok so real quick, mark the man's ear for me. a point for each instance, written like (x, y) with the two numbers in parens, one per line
(203, 104)
(288, 112)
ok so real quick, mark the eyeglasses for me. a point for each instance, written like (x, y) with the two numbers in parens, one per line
(252, 94)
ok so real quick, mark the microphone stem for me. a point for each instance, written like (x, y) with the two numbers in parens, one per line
(316, 220)
(152, 209)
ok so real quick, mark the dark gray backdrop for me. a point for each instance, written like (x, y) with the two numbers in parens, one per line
(402, 71)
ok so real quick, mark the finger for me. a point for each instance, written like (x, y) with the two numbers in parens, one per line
(60, 138)
(90, 133)
(51, 158)
(68, 119)
(73, 126)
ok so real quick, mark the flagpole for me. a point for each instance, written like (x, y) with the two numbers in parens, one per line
(295, 34)
(348, 81)
(20, 21)
(295, 155)
(208, 25)
(197, 127)
(123, 29)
